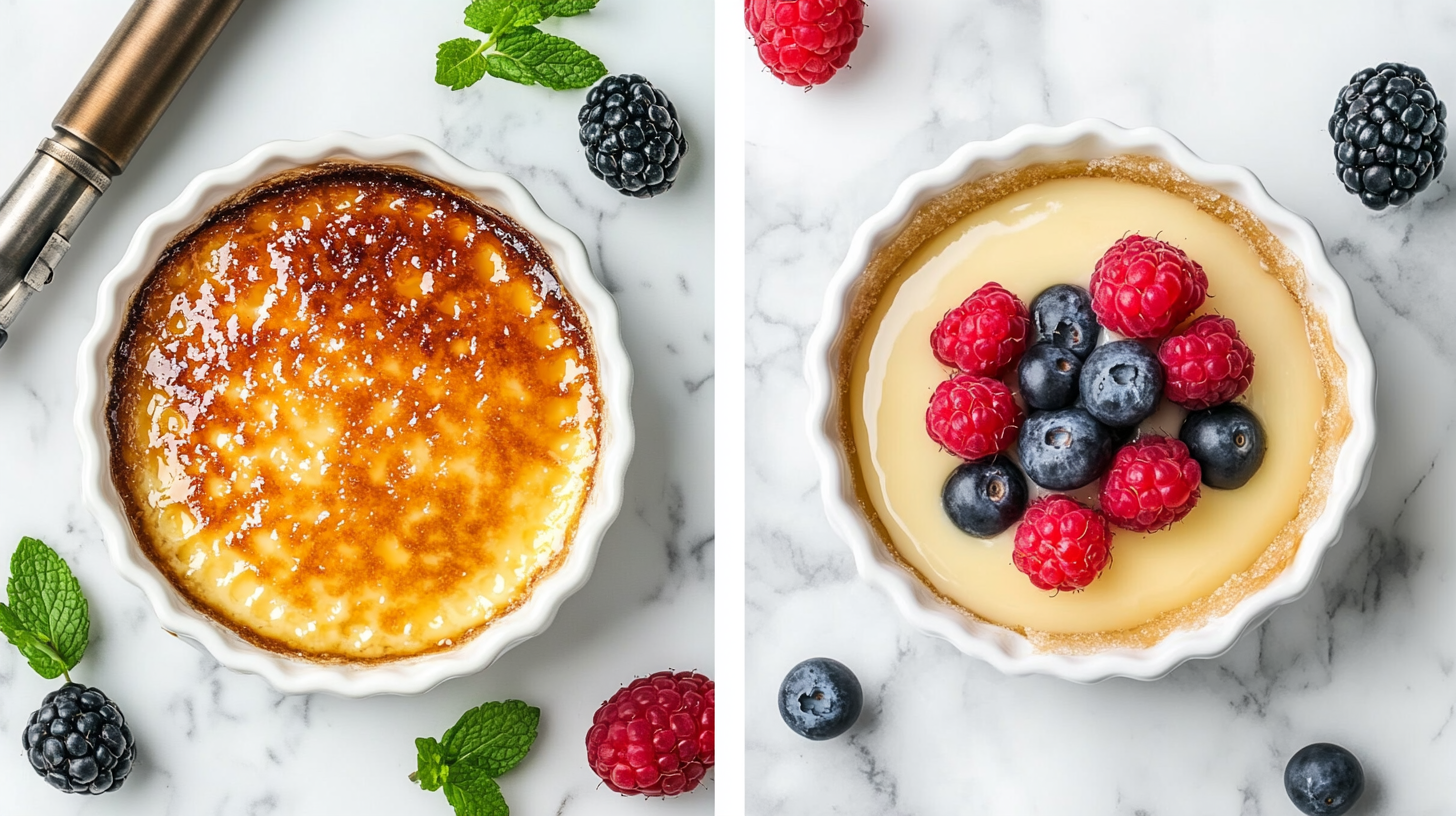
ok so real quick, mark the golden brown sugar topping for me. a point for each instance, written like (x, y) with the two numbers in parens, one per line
(354, 415)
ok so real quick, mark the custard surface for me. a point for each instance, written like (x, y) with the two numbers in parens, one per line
(353, 415)
(1054, 232)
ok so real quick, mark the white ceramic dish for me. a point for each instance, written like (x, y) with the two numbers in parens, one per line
(1008, 651)
(409, 676)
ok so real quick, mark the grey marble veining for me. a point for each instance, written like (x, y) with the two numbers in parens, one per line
(1366, 658)
(215, 743)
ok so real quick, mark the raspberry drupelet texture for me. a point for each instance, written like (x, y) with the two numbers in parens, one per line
(973, 417)
(655, 736)
(1144, 288)
(1152, 483)
(1206, 364)
(804, 42)
(1062, 545)
(985, 335)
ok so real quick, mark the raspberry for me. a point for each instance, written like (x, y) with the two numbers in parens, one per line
(1206, 364)
(804, 42)
(972, 417)
(654, 737)
(1152, 483)
(1062, 545)
(1143, 287)
(984, 335)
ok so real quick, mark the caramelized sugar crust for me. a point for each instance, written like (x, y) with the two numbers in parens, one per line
(353, 414)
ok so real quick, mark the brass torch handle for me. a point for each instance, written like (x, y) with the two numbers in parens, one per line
(135, 77)
(106, 119)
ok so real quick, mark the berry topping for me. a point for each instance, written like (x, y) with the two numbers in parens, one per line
(1121, 383)
(1143, 287)
(1390, 134)
(820, 698)
(632, 137)
(1062, 545)
(1324, 780)
(1152, 483)
(1048, 377)
(985, 498)
(972, 417)
(985, 334)
(654, 737)
(1206, 364)
(1063, 316)
(1227, 442)
(79, 741)
(1064, 450)
(804, 42)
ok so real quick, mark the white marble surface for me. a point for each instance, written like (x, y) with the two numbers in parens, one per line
(214, 742)
(1365, 659)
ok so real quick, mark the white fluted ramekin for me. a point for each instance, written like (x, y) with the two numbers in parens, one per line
(407, 676)
(1008, 651)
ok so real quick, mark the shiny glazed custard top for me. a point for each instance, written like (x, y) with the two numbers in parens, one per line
(353, 415)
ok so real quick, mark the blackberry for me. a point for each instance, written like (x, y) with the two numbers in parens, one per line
(632, 136)
(1390, 134)
(79, 741)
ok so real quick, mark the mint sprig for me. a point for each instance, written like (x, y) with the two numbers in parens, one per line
(47, 618)
(516, 50)
(486, 742)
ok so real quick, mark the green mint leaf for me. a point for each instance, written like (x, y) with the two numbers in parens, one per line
(492, 738)
(475, 794)
(500, 16)
(555, 62)
(432, 771)
(509, 69)
(566, 8)
(40, 656)
(46, 599)
(459, 63)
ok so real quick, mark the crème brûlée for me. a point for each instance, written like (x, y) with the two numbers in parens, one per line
(353, 414)
(1029, 229)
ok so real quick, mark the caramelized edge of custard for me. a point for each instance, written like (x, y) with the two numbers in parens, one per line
(279, 183)
(943, 211)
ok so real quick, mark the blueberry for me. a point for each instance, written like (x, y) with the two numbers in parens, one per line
(986, 497)
(1062, 316)
(1324, 780)
(820, 698)
(1122, 383)
(1048, 375)
(1227, 441)
(1064, 450)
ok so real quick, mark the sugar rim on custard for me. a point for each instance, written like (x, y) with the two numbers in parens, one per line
(942, 212)
(242, 200)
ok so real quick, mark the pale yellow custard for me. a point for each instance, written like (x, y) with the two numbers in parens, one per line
(354, 416)
(1034, 236)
